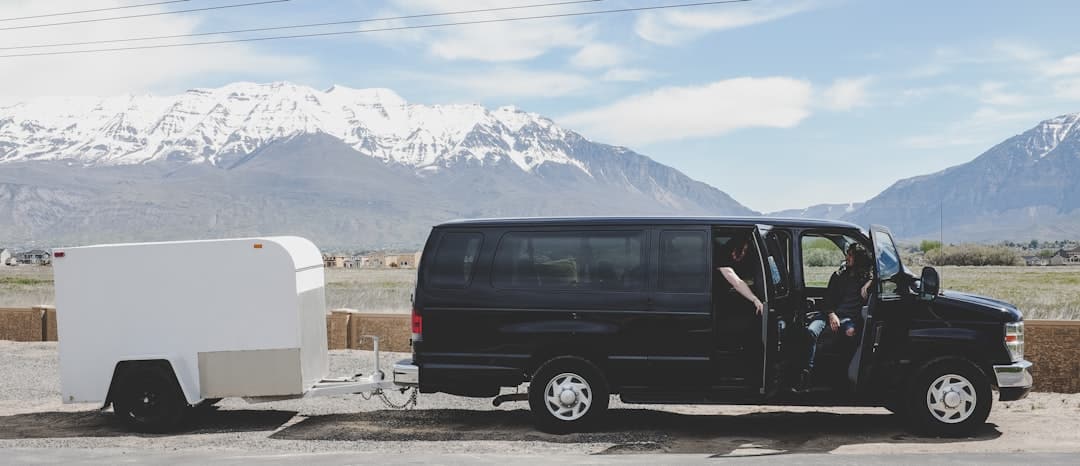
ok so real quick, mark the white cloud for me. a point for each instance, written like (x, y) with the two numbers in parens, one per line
(985, 126)
(111, 73)
(598, 55)
(1065, 66)
(1067, 89)
(673, 113)
(846, 94)
(514, 83)
(1017, 51)
(992, 93)
(675, 26)
(493, 42)
(627, 74)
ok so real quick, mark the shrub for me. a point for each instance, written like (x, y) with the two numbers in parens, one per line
(928, 245)
(823, 257)
(973, 254)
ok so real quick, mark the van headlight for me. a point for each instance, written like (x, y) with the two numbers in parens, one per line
(1014, 340)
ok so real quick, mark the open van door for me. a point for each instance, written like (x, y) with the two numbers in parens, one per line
(777, 293)
(886, 291)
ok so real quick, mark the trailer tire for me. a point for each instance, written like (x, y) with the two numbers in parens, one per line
(149, 399)
(567, 394)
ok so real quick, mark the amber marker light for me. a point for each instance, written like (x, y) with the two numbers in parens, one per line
(258, 245)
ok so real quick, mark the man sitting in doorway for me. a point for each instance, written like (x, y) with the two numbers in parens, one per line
(844, 299)
(735, 266)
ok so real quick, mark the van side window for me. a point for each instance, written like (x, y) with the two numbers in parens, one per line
(683, 261)
(822, 254)
(453, 262)
(594, 260)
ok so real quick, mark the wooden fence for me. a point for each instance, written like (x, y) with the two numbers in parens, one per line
(1053, 346)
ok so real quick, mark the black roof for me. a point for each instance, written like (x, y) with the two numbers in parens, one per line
(743, 221)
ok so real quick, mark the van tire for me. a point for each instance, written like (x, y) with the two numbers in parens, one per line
(149, 399)
(949, 397)
(567, 394)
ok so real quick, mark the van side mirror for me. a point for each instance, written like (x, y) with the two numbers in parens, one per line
(930, 283)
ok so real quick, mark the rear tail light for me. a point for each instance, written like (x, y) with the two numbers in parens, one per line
(417, 323)
(1014, 340)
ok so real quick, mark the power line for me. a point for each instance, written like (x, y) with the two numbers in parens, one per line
(300, 26)
(387, 29)
(92, 11)
(144, 15)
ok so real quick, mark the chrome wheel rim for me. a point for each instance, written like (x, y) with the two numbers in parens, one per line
(951, 399)
(568, 396)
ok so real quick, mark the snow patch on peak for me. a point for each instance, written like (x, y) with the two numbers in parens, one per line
(1049, 133)
(218, 125)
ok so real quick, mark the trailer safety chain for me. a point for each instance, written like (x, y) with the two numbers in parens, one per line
(407, 405)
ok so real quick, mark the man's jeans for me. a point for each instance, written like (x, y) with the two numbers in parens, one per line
(821, 324)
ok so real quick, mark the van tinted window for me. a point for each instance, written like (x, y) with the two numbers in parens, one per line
(453, 262)
(683, 261)
(569, 260)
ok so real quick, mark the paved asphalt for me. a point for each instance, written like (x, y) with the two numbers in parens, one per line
(119, 456)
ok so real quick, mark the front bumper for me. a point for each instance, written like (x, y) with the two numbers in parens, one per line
(406, 373)
(1013, 380)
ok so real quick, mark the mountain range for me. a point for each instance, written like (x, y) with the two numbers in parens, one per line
(356, 168)
(1025, 187)
(363, 168)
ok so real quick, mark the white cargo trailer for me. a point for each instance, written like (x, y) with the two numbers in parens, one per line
(154, 328)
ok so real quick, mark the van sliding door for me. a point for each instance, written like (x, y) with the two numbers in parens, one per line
(680, 315)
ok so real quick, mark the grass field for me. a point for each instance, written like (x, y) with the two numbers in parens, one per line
(1040, 292)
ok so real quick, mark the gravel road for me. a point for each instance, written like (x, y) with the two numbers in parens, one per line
(32, 416)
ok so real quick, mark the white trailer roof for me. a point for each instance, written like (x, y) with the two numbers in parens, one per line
(303, 252)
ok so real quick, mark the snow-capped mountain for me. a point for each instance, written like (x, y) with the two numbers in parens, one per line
(825, 211)
(1025, 187)
(220, 126)
(346, 167)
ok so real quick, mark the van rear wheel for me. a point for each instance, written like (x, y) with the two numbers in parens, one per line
(567, 394)
(149, 399)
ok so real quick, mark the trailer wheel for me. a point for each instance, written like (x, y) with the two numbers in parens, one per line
(567, 394)
(149, 399)
(949, 397)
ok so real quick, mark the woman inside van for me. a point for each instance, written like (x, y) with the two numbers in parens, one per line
(844, 299)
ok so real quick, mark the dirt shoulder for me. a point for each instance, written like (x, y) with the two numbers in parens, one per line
(32, 416)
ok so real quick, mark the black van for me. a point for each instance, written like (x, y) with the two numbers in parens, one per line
(582, 308)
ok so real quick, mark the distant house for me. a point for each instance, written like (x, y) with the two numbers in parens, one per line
(35, 257)
(1034, 260)
(404, 261)
(1059, 258)
(331, 261)
(1072, 255)
(396, 260)
(5, 257)
(370, 260)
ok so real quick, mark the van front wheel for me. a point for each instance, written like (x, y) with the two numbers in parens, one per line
(567, 394)
(949, 397)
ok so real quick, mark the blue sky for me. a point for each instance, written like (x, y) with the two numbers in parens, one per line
(781, 104)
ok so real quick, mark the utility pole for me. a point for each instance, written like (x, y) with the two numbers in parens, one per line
(941, 222)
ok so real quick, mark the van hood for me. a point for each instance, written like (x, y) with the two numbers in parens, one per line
(968, 306)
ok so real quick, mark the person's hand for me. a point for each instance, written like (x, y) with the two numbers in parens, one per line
(834, 322)
(866, 288)
(758, 306)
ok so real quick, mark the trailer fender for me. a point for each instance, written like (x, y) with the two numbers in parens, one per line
(186, 382)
